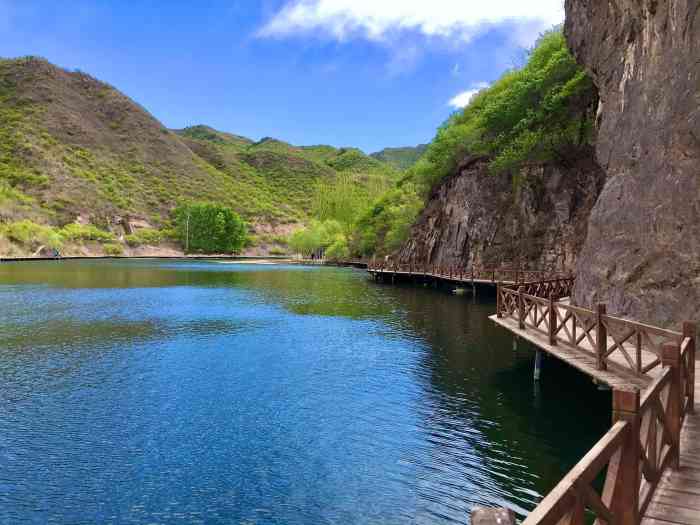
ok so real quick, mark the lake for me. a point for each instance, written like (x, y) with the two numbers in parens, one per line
(200, 392)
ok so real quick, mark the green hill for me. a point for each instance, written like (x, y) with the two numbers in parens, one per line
(74, 149)
(400, 158)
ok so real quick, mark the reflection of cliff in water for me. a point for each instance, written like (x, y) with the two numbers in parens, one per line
(497, 428)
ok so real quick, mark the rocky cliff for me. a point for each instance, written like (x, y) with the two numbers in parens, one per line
(642, 253)
(477, 218)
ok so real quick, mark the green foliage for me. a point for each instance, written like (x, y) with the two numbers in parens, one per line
(145, 236)
(535, 114)
(33, 235)
(385, 226)
(344, 198)
(318, 236)
(113, 249)
(210, 228)
(86, 232)
(339, 250)
(400, 158)
(531, 114)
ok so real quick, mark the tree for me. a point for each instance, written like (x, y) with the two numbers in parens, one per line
(206, 227)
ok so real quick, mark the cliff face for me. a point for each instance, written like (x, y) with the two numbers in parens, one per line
(642, 253)
(476, 218)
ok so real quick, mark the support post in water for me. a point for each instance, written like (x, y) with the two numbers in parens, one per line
(515, 344)
(552, 321)
(538, 365)
(521, 309)
(499, 314)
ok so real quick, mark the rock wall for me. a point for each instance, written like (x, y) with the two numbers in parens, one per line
(642, 253)
(475, 218)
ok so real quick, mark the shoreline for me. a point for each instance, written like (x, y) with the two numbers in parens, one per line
(223, 259)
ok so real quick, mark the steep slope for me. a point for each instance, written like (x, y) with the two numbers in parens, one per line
(642, 254)
(400, 158)
(73, 148)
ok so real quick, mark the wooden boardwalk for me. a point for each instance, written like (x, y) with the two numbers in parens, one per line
(677, 498)
(616, 375)
(650, 457)
(456, 275)
(651, 453)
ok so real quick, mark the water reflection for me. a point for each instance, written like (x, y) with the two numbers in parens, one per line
(201, 392)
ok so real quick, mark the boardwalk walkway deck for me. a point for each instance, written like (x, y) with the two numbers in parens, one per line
(651, 451)
(650, 457)
(677, 498)
(617, 375)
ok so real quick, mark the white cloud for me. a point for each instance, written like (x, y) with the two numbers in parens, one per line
(462, 100)
(379, 19)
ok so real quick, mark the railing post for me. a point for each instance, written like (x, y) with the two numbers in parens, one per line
(601, 337)
(521, 309)
(671, 356)
(691, 330)
(552, 321)
(621, 490)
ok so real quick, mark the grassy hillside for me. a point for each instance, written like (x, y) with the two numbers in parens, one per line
(73, 148)
(401, 158)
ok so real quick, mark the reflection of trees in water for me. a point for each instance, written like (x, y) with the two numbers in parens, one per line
(490, 436)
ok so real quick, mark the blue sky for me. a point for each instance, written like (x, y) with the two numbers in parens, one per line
(364, 73)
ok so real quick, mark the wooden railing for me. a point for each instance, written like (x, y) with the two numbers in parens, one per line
(459, 273)
(589, 331)
(644, 440)
(642, 444)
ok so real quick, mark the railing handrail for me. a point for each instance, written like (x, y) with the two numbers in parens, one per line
(659, 415)
(573, 487)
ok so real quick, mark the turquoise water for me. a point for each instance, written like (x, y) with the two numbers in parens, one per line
(199, 392)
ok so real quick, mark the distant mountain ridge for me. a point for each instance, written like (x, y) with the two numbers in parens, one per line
(400, 158)
(74, 148)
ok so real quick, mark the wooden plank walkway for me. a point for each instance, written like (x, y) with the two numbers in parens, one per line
(454, 278)
(677, 498)
(616, 376)
(650, 457)
(651, 372)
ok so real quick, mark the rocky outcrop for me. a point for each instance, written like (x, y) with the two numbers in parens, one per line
(475, 218)
(642, 253)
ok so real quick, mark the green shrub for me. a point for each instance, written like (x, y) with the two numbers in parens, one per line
(210, 228)
(145, 236)
(86, 232)
(278, 251)
(113, 249)
(339, 250)
(33, 235)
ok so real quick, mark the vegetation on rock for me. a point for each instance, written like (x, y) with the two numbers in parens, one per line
(538, 113)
